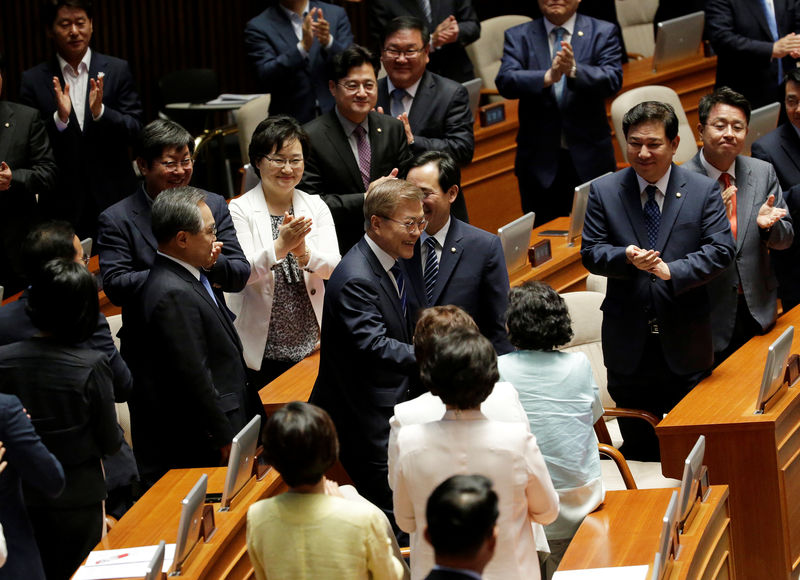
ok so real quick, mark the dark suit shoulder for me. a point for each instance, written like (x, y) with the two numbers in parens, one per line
(26, 115)
(320, 124)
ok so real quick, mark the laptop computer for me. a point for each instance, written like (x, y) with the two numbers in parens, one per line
(474, 91)
(515, 237)
(762, 121)
(678, 39)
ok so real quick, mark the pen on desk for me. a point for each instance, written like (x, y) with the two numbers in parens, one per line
(111, 559)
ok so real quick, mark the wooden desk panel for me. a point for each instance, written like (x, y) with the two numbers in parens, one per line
(625, 531)
(293, 385)
(156, 515)
(758, 456)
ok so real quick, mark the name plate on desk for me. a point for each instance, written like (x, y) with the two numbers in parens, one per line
(539, 253)
(492, 114)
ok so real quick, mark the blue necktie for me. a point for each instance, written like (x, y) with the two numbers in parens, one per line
(401, 285)
(773, 28)
(652, 216)
(558, 87)
(207, 285)
(397, 107)
(431, 268)
(426, 10)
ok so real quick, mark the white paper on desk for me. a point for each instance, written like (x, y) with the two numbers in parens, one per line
(225, 98)
(122, 563)
(617, 573)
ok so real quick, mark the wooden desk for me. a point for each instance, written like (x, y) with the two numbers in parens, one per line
(564, 272)
(155, 517)
(758, 456)
(293, 385)
(626, 529)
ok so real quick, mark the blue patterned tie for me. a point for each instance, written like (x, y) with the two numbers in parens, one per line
(558, 87)
(652, 215)
(431, 268)
(397, 107)
(769, 13)
(426, 10)
(401, 285)
(207, 285)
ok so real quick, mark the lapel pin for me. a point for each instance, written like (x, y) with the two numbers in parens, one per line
(678, 194)
(452, 250)
(378, 129)
(580, 33)
(7, 125)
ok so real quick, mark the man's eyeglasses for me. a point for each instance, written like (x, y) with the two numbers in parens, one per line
(172, 166)
(353, 86)
(280, 162)
(721, 127)
(410, 53)
(410, 225)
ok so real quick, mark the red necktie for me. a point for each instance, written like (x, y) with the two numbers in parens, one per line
(725, 180)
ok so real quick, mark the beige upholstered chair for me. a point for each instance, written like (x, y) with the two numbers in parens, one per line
(636, 22)
(587, 318)
(627, 100)
(248, 117)
(123, 414)
(486, 52)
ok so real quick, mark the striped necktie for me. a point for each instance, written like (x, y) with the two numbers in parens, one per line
(401, 285)
(431, 268)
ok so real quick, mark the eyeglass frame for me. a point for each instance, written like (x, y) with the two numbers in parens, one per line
(172, 166)
(420, 224)
(409, 53)
(724, 127)
(359, 85)
(280, 163)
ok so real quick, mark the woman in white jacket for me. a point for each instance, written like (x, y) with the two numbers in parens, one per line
(290, 241)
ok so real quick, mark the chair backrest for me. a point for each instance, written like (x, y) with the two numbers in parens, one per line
(248, 116)
(636, 22)
(191, 85)
(587, 320)
(486, 52)
(123, 414)
(596, 283)
(627, 100)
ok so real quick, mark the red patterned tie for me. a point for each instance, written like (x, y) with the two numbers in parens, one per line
(730, 208)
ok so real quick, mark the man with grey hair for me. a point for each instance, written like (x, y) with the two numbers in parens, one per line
(191, 388)
(366, 358)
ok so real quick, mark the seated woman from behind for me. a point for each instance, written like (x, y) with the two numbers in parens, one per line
(309, 532)
(562, 401)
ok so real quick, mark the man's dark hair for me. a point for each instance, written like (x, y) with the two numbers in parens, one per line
(47, 241)
(460, 368)
(722, 96)
(793, 75)
(449, 172)
(652, 111)
(537, 317)
(461, 514)
(50, 9)
(159, 135)
(62, 301)
(406, 23)
(300, 443)
(352, 56)
(176, 210)
(272, 134)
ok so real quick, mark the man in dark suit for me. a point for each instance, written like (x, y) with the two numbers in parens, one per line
(27, 169)
(454, 262)
(659, 232)
(461, 516)
(756, 42)
(126, 243)
(366, 357)
(744, 296)
(92, 112)
(352, 146)
(434, 110)
(291, 45)
(186, 358)
(781, 147)
(454, 24)
(561, 67)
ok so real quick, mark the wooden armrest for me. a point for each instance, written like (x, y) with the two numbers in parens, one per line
(405, 552)
(487, 91)
(632, 414)
(600, 429)
(635, 56)
(622, 465)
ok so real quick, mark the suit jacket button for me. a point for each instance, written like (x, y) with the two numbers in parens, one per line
(652, 277)
(313, 291)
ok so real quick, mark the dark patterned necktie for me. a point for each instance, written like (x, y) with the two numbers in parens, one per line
(431, 268)
(401, 285)
(364, 154)
(558, 87)
(425, 5)
(397, 107)
(652, 216)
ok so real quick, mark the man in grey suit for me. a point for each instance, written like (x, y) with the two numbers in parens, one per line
(744, 295)
(434, 110)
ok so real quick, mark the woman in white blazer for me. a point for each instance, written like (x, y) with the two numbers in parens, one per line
(290, 241)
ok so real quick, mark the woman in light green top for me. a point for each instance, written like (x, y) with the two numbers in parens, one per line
(311, 531)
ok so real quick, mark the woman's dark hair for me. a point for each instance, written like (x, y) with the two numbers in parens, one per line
(62, 301)
(460, 368)
(537, 317)
(438, 321)
(300, 443)
(272, 134)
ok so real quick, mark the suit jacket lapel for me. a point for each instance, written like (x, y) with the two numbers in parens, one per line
(413, 269)
(581, 34)
(420, 109)
(449, 259)
(790, 143)
(142, 217)
(7, 128)
(745, 195)
(632, 202)
(386, 285)
(283, 26)
(672, 205)
(383, 95)
(541, 46)
(757, 12)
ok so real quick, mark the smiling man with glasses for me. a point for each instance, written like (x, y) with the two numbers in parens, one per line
(434, 110)
(125, 241)
(744, 296)
(352, 146)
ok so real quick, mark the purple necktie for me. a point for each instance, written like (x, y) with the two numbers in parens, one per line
(364, 154)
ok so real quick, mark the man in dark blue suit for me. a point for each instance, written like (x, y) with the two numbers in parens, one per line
(291, 45)
(92, 112)
(454, 262)
(125, 241)
(660, 233)
(561, 68)
(366, 358)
